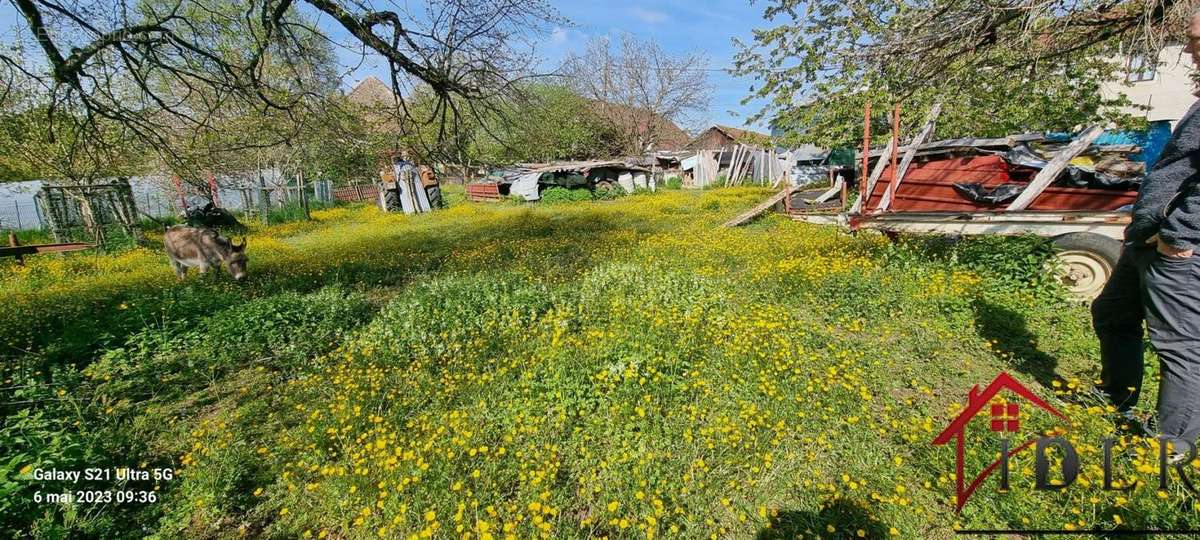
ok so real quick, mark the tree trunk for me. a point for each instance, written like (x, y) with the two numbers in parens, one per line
(87, 211)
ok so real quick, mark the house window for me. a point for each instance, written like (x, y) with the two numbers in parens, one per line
(1140, 68)
(1006, 417)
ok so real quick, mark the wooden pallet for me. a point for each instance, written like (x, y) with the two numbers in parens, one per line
(484, 192)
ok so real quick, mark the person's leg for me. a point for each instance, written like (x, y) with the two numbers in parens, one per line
(1117, 317)
(1172, 307)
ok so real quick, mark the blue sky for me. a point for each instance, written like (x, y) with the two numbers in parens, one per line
(679, 26)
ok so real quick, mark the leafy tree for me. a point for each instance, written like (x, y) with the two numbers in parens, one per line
(41, 139)
(997, 66)
(546, 122)
(554, 123)
(162, 67)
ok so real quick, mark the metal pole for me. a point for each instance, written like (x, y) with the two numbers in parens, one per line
(895, 139)
(895, 152)
(37, 211)
(17, 207)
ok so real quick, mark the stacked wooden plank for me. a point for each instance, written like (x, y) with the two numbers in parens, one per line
(487, 191)
(358, 192)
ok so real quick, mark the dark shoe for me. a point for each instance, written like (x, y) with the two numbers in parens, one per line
(1129, 423)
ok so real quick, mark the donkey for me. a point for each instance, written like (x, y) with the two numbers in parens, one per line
(195, 247)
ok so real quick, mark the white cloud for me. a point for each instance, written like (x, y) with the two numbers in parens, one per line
(649, 16)
(558, 36)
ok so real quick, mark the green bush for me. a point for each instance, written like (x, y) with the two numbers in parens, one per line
(674, 182)
(1020, 261)
(293, 211)
(27, 236)
(562, 195)
(608, 192)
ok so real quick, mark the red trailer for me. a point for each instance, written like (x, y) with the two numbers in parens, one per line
(1000, 186)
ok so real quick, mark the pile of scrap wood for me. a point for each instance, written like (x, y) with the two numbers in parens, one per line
(741, 164)
(1020, 172)
(528, 180)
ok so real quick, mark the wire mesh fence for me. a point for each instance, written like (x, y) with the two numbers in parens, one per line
(158, 198)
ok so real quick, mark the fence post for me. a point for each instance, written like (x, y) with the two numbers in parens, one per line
(212, 189)
(263, 204)
(245, 193)
(183, 206)
(303, 195)
(17, 207)
(12, 242)
(37, 211)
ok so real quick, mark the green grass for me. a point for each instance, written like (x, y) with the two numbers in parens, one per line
(611, 368)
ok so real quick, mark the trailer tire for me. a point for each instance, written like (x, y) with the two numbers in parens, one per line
(1084, 261)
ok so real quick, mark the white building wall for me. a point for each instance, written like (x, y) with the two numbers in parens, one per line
(1168, 95)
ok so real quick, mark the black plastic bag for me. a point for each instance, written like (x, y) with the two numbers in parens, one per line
(212, 217)
(998, 195)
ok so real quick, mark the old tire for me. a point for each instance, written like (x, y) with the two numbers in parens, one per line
(1083, 262)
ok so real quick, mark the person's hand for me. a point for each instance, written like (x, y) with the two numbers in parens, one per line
(1167, 250)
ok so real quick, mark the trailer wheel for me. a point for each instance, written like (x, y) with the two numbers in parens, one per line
(1084, 262)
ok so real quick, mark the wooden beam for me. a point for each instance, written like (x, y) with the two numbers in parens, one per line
(866, 157)
(838, 186)
(876, 173)
(759, 209)
(12, 243)
(895, 139)
(19, 251)
(1048, 173)
(925, 133)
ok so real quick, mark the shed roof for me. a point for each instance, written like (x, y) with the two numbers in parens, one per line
(372, 92)
(738, 135)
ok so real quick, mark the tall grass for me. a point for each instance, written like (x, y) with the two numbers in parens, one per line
(619, 369)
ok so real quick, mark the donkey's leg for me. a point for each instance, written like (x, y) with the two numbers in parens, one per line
(180, 269)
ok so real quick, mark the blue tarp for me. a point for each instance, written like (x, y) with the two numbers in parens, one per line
(1152, 141)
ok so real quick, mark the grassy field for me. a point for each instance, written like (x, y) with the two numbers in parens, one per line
(598, 369)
